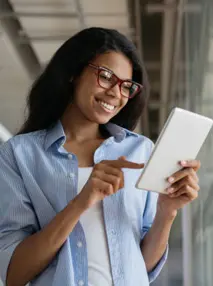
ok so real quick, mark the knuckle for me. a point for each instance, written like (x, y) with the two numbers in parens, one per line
(109, 188)
(188, 187)
(195, 195)
(97, 167)
(94, 173)
(117, 180)
(120, 173)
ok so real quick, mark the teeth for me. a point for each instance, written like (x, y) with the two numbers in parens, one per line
(106, 105)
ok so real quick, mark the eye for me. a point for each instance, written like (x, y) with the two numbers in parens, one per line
(127, 85)
(106, 75)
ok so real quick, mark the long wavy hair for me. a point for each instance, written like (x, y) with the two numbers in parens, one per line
(52, 91)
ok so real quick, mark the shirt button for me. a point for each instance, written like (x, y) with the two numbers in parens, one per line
(81, 283)
(70, 156)
(108, 142)
(79, 244)
(71, 175)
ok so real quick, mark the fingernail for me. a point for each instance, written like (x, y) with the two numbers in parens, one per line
(171, 179)
(170, 190)
(183, 163)
(122, 158)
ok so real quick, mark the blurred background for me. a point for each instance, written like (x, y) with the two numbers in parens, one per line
(175, 40)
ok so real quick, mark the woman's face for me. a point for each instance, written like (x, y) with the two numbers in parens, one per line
(94, 102)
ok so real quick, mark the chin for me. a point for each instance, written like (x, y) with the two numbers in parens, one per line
(101, 120)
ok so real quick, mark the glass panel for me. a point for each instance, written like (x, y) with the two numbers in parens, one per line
(198, 28)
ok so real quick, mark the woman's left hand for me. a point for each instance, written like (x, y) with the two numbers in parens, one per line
(183, 189)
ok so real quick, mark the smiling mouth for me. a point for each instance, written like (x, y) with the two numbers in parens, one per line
(106, 106)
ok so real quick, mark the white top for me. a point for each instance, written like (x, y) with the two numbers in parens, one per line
(92, 221)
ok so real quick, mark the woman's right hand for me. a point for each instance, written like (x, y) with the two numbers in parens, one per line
(105, 180)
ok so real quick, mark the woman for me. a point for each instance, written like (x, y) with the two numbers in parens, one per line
(70, 213)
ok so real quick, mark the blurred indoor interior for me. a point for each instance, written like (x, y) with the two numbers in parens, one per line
(175, 40)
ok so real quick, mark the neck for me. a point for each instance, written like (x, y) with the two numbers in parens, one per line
(78, 128)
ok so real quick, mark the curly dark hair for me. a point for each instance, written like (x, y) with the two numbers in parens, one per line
(52, 91)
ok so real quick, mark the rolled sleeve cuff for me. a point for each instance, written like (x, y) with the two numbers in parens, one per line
(5, 257)
(156, 271)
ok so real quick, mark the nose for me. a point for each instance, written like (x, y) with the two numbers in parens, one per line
(114, 91)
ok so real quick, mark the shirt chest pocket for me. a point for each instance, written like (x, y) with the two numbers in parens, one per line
(51, 194)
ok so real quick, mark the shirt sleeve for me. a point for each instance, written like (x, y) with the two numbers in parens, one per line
(148, 217)
(17, 218)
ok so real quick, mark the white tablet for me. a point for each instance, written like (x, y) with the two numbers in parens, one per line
(180, 139)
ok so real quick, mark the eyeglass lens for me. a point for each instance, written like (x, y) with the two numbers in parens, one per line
(107, 80)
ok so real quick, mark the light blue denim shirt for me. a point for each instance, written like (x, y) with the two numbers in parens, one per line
(39, 177)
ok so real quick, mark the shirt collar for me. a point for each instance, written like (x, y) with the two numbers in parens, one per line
(56, 134)
(118, 132)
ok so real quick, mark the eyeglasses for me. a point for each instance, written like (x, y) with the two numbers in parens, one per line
(107, 79)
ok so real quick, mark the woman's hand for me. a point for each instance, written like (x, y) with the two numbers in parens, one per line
(184, 188)
(106, 179)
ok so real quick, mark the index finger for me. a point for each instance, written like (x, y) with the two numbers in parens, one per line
(123, 164)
